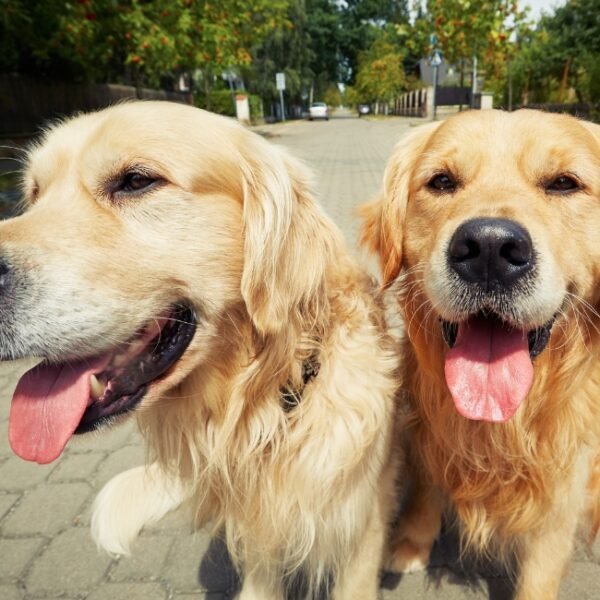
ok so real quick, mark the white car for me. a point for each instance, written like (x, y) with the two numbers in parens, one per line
(318, 110)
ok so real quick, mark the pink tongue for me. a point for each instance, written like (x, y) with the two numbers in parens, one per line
(488, 371)
(47, 406)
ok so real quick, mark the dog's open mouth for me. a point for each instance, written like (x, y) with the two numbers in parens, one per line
(489, 367)
(53, 401)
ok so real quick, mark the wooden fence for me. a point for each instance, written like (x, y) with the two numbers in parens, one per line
(26, 104)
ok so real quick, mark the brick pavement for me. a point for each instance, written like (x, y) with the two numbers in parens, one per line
(45, 547)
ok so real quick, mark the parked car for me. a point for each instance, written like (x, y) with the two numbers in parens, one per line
(363, 109)
(318, 110)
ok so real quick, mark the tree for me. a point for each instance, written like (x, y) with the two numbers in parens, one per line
(223, 32)
(285, 49)
(133, 40)
(465, 29)
(361, 24)
(380, 77)
(324, 30)
(559, 59)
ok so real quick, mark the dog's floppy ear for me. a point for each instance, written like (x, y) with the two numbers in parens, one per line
(383, 217)
(287, 243)
(593, 128)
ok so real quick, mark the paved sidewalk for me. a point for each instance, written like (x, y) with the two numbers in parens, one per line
(45, 547)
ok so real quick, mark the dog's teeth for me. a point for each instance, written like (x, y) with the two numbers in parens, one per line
(96, 388)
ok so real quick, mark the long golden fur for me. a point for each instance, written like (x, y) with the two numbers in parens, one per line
(519, 488)
(143, 206)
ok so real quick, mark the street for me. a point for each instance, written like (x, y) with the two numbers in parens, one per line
(348, 156)
(46, 550)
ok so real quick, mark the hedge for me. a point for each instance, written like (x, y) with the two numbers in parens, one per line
(221, 102)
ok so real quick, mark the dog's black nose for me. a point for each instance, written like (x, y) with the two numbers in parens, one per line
(493, 253)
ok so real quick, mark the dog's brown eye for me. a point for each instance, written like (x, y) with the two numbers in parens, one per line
(132, 182)
(442, 183)
(562, 185)
(135, 182)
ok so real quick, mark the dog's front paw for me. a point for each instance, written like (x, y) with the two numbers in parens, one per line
(130, 501)
(408, 557)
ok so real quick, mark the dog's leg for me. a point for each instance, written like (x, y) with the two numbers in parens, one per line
(544, 553)
(544, 558)
(128, 502)
(360, 578)
(259, 585)
(417, 529)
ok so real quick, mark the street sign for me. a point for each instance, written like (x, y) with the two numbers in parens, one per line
(436, 58)
(280, 81)
(435, 61)
(426, 71)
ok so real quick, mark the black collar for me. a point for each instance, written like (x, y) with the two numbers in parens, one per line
(290, 396)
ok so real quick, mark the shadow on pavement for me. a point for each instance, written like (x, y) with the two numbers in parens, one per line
(447, 566)
(217, 573)
(218, 576)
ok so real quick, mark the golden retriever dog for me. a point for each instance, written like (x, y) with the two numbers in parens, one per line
(173, 264)
(487, 232)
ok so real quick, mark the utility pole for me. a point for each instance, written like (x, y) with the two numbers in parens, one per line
(474, 81)
(510, 86)
(435, 61)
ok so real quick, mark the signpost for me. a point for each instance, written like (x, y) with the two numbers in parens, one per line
(435, 61)
(280, 82)
(474, 81)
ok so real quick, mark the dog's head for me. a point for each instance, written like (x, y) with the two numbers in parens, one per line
(491, 219)
(149, 227)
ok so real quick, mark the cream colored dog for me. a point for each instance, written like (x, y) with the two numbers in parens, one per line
(174, 264)
(488, 237)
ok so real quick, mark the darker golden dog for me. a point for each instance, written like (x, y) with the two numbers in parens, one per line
(487, 233)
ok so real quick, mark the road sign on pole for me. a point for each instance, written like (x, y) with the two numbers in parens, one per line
(435, 61)
(280, 82)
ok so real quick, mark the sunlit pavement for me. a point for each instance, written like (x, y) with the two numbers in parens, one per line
(45, 547)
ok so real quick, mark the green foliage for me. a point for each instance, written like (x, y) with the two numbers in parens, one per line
(561, 53)
(352, 97)
(287, 50)
(380, 76)
(323, 32)
(15, 22)
(368, 44)
(332, 96)
(361, 23)
(256, 107)
(137, 41)
(221, 102)
(465, 29)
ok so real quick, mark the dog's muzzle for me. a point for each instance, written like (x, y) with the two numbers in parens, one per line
(488, 366)
(492, 254)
